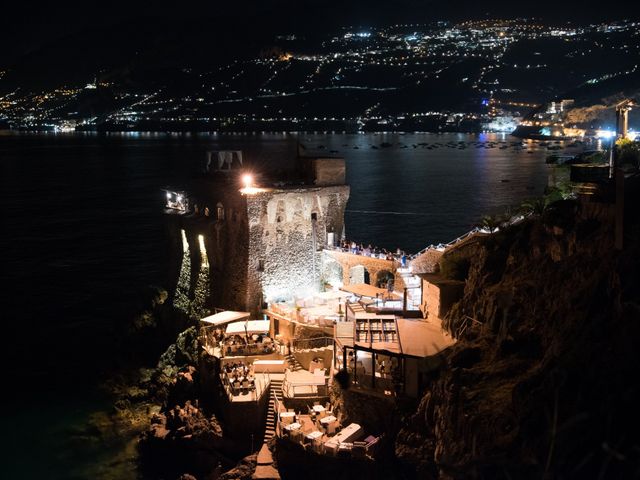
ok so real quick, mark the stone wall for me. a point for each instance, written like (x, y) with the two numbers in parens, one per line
(287, 233)
(222, 278)
(258, 247)
(427, 262)
(438, 296)
(304, 357)
(337, 262)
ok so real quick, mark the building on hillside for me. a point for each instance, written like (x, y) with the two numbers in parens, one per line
(438, 296)
(243, 235)
(385, 353)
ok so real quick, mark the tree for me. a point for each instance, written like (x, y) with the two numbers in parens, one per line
(628, 152)
(491, 223)
(536, 206)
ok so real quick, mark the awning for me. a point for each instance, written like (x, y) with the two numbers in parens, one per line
(225, 317)
(366, 290)
(249, 327)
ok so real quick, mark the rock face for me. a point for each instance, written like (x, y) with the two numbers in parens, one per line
(174, 379)
(242, 471)
(183, 439)
(151, 330)
(543, 380)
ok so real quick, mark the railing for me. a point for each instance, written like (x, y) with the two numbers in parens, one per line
(485, 231)
(276, 412)
(467, 322)
(251, 389)
(309, 343)
(444, 246)
(306, 390)
(369, 253)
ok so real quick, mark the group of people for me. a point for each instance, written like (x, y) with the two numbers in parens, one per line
(256, 343)
(374, 252)
(238, 376)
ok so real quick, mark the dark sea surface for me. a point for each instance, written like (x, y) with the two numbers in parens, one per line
(83, 236)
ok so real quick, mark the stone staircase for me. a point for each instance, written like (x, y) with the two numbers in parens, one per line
(294, 365)
(270, 424)
(412, 282)
(264, 462)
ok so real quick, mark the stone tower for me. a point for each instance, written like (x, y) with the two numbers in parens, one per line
(237, 246)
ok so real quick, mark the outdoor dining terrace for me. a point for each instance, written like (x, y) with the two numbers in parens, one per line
(317, 430)
(227, 336)
(242, 383)
(323, 309)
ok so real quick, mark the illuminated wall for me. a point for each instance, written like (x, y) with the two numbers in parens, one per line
(181, 298)
(201, 292)
(252, 248)
(287, 233)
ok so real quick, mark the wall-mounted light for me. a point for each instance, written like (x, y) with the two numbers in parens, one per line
(247, 180)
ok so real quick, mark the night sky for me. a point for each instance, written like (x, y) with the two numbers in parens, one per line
(25, 27)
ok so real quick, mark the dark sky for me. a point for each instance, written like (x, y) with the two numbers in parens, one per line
(24, 26)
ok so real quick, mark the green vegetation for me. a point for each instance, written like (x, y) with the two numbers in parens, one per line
(490, 222)
(628, 153)
(595, 157)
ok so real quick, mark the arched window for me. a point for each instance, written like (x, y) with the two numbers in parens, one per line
(220, 211)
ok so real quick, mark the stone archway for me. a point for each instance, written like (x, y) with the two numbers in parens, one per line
(332, 272)
(359, 274)
(383, 277)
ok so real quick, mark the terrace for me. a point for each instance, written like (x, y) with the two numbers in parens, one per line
(317, 430)
(242, 383)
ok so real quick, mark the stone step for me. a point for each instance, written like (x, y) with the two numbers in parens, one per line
(264, 456)
(265, 472)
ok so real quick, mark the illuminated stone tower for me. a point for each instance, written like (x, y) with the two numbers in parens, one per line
(257, 239)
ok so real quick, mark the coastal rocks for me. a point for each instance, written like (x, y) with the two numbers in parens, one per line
(242, 471)
(144, 319)
(174, 376)
(184, 387)
(183, 439)
(151, 329)
(182, 353)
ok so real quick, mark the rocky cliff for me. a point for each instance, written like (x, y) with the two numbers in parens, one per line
(543, 381)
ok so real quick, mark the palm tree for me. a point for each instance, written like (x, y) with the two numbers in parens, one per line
(491, 223)
(536, 206)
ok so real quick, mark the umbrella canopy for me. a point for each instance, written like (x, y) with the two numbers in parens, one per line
(248, 327)
(225, 317)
